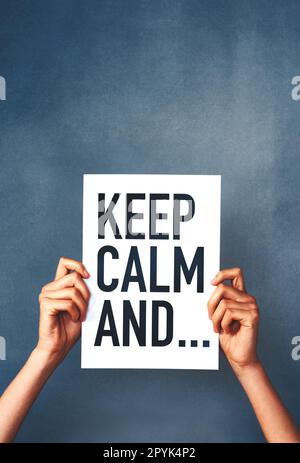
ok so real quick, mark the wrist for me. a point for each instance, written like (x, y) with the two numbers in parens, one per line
(243, 371)
(46, 359)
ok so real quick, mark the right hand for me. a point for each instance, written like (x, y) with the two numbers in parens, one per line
(63, 306)
(235, 316)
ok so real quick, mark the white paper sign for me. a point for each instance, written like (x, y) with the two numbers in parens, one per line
(151, 244)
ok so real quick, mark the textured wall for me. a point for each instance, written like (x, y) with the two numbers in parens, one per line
(161, 86)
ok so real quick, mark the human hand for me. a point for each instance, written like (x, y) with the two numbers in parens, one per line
(63, 306)
(234, 314)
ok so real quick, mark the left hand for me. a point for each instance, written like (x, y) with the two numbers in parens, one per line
(63, 306)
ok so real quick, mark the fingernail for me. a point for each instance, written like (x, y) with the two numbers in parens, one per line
(86, 274)
(213, 281)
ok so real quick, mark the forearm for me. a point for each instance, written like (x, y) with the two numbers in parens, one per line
(18, 398)
(275, 421)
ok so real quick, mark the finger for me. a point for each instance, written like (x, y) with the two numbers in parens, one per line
(226, 304)
(55, 306)
(246, 318)
(72, 279)
(66, 264)
(69, 293)
(227, 292)
(218, 315)
(234, 274)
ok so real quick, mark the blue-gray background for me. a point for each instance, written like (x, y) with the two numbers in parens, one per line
(140, 86)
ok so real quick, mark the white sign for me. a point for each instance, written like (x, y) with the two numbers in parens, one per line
(151, 244)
